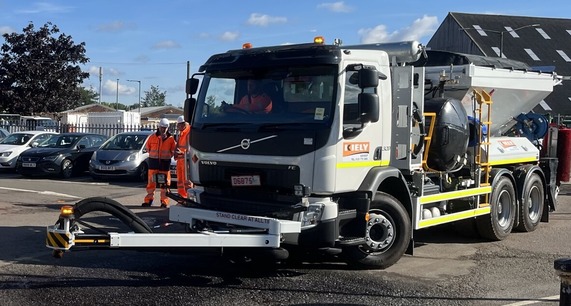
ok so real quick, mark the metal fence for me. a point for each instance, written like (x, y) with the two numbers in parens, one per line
(103, 129)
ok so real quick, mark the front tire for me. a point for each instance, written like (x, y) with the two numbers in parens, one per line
(533, 200)
(499, 223)
(66, 168)
(387, 235)
(142, 172)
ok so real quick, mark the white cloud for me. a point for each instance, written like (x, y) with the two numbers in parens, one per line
(420, 28)
(229, 36)
(337, 7)
(262, 20)
(110, 88)
(93, 71)
(166, 44)
(114, 26)
(45, 7)
(6, 29)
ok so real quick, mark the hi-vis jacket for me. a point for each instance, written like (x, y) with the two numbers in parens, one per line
(160, 151)
(182, 144)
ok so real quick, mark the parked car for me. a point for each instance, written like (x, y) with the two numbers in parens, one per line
(122, 155)
(12, 146)
(3, 133)
(63, 155)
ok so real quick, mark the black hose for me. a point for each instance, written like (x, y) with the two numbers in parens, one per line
(114, 208)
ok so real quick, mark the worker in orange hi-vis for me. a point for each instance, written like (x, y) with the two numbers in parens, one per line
(182, 183)
(161, 146)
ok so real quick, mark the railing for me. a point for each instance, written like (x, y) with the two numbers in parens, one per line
(103, 129)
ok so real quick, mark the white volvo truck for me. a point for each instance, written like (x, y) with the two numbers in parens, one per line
(363, 146)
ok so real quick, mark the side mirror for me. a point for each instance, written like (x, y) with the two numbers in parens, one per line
(191, 86)
(34, 144)
(81, 146)
(189, 105)
(369, 106)
(368, 78)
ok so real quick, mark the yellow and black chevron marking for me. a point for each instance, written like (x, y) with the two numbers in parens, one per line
(58, 240)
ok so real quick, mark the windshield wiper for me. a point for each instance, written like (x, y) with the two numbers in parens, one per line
(281, 126)
(226, 124)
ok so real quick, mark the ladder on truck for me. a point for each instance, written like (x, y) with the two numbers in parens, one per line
(482, 157)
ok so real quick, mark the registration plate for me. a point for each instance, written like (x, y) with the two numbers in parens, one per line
(107, 168)
(29, 165)
(245, 180)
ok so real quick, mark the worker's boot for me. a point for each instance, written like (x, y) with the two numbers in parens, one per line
(147, 204)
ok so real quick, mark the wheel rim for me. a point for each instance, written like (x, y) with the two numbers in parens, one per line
(380, 233)
(143, 172)
(67, 168)
(504, 209)
(533, 203)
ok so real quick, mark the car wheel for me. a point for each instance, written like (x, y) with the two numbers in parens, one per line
(66, 168)
(142, 173)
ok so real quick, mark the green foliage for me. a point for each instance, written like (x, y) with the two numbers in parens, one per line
(154, 97)
(87, 96)
(40, 72)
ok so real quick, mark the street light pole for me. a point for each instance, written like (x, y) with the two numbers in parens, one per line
(501, 33)
(139, 92)
(117, 97)
(512, 30)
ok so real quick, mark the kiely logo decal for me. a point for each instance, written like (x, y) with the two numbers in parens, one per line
(356, 151)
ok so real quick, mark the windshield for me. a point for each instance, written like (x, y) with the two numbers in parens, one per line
(17, 139)
(282, 95)
(66, 141)
(127, 142)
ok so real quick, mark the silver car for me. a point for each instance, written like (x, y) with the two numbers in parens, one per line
(122, 155)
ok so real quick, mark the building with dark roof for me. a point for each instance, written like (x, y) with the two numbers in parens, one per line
(542, 43)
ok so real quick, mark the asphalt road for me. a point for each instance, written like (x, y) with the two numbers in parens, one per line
(448, 268)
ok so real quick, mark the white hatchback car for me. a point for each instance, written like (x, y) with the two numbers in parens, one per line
(12, 146)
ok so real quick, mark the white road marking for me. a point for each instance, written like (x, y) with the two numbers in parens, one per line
(553, 298)
(42, 192)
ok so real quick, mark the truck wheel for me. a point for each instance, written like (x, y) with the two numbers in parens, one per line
(387, 235)
(531, 208)
(66, 168)
(499, 223)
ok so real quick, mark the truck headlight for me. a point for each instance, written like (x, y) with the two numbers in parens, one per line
(313, 215)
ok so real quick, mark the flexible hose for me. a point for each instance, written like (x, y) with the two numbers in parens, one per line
(114, 208)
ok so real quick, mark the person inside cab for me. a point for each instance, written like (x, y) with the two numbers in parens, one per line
(255, 101)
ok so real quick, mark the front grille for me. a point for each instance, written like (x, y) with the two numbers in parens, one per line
(30, 159)
(108, 162)
(272, 177)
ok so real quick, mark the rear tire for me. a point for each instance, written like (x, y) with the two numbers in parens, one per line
(387, 235)
(499, 223)
(533, 200)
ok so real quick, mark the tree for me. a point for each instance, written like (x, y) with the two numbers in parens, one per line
(154, 97)
(40, 72)
(87, 96)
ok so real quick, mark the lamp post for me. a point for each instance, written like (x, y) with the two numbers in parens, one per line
(501, 33)
(139, 92)
(117, 97)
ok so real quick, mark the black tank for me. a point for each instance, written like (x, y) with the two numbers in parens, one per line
(451, 134)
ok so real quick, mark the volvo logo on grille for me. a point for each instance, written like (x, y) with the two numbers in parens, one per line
(245, 143)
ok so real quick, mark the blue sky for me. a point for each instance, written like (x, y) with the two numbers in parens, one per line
(152, 41)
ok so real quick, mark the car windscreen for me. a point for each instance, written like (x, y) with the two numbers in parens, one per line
(62, 141)
(17, 139)
(126, 142)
